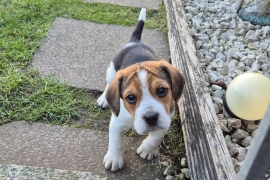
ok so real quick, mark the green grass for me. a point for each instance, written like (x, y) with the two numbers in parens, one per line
(24, 95)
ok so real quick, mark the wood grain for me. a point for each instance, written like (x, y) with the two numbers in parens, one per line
(208, 156)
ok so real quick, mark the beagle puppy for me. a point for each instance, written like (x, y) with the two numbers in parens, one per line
(141, 93)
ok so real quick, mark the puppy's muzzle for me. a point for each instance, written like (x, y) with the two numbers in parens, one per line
(151, 118)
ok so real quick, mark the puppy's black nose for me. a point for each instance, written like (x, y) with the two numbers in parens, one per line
(151, 118)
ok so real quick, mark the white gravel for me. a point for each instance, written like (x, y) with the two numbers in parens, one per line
(227, 47)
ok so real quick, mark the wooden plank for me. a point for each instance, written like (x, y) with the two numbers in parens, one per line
(208, 156)
(256, 162)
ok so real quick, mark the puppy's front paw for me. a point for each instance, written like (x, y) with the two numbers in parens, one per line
(147, 153)
(113, 162)
(102, 101)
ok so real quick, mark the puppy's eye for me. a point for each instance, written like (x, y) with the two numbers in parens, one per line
(131, 99)
(161, 92)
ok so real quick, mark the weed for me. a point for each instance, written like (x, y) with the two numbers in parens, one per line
(172, 148)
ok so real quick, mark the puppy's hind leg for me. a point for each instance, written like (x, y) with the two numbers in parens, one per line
(111, 72)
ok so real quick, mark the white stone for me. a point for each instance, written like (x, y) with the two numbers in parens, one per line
(244, 58)
(236, 165)
(218, 93)
(240, 32)
(265, 30)
(228, 140)
(169, 177)
(234, 123)
(212, 65)
(216, 108)
(247, 141)
(209, 31)
(204, 39)
(189, 16)
(262, 59)
(241, 153)
(226, 18)
(183, 162)
(249, 62)
(215, 87)
(247, 68)
(198, 44)
(212, 76)
(239, 134)
(191, 10)
(253, 133)
(265, 67)
(214, 41)
(224, 25)
(258, 32)
(232, 24)
(264, 45)
(252, 127)
(206, 46)
(219, 55)
(169, 170)
(241, 66)
(227, 36)
(254, 67)
(223, 70)
(251, 56)
(239, 45)
(252, 46)
(242, 26)
(180, 177)
(212, 9)
(196, 23)
(185, 171)
(217, 100)
(232, 63)
(251, 10)
(213, 50)
(251, 35)
(246, 122)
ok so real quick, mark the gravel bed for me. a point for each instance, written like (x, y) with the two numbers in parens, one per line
(226, 47)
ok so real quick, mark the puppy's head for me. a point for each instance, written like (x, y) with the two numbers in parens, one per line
(149, 91)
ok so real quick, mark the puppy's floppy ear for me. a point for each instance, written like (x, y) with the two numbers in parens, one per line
(113, 94)
(176, 77)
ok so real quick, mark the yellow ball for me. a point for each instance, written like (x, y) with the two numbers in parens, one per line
(248, 96)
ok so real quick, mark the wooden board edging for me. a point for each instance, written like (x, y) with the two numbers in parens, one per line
(208, 156)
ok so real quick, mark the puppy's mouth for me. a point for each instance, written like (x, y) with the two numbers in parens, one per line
(154, 128)
(148, 129)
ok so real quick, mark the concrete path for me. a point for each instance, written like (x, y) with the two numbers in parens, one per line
(66, 148)
(151, 4)
(79, 52)
(18, 172)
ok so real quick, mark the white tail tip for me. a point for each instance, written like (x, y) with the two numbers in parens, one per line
(142, 16)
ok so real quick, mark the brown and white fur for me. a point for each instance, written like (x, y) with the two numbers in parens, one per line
(141, 93)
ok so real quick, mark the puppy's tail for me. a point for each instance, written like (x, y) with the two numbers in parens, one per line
(136, 35)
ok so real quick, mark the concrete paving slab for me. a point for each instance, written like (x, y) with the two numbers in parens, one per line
(9, 172)
(67, 148)
(79, 52)
(150, 4)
